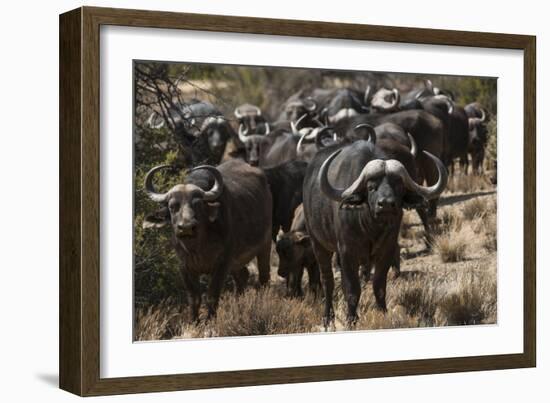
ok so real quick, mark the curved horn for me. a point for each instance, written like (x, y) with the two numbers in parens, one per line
(396, 98)
(370, 130)
(449, 102)
(450, 106)
(313, 105)
(258, 111)
(242, 133)
(483, 115)
(151, 121)
(327, 189)
(299, 146)
(429, 85)
(367, 94)
(148, 184)
(294, 126)
(216, 191)
(414, 148)
(238, 114)
(428, 192)
(267, 128)
(208, 121)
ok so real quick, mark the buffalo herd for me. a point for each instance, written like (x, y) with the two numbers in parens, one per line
(327, 181)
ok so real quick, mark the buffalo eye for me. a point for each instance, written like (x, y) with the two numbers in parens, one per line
(371, 186)
(175, 206)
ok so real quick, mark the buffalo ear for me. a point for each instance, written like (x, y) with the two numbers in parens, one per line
(213, 211)
(413, 200)
(158, 219)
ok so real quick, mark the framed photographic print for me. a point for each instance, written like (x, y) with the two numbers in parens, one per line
(250, 201)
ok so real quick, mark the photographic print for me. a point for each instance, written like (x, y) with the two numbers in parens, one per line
(272, 200)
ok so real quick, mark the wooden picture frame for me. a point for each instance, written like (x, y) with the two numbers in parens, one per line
(80, 184)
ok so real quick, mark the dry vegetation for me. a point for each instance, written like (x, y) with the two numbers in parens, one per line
(453, 283)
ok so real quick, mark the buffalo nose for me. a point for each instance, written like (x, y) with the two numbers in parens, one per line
(387, 202)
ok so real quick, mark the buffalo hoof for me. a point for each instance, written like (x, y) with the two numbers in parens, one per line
(351, 321)
(381, 308)
(329, 322)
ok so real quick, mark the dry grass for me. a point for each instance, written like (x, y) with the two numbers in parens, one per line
(453, 284)
(264, 311)
(451, 245)
(460, 183)
(157, 322)
(475, 208)
(474, 300)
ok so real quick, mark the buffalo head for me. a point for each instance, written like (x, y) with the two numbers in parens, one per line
(187, 207)
(344, 104)
(384, 186)
(297, 108)
(250, 116)
(385, 100)
(217, 131)
(291, 248)
(255, 144)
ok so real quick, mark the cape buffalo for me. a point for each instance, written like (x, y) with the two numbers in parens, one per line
(295, 254)
(279, 146)
(296, 106)
(385, 100)
(221, 220)
(344, 103)
(477, 126)
(285, 182)
(455, 124)
(252, 119)
(353, 201)
(427, 131)
(210, 143)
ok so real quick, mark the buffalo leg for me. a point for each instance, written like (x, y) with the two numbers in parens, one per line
(324, 258)
(215, 285)
(314, 279)
(295, 282)
(351, 285)
(264, 267)
(193, 291)
(396, 264)
(428, 227)
(379, 284)
(240, 277)
(464, 164)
